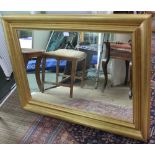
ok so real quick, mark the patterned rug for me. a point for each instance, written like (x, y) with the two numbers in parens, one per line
(47, 130)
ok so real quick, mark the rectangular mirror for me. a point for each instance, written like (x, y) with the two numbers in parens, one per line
(88, 69)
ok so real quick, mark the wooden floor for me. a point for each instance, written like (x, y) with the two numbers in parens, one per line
(14, 121)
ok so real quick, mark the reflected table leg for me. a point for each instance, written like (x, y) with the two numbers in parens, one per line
(37, 73)
(127, 70)
(27, 55)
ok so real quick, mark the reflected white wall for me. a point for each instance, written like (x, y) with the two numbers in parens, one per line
(40, 39)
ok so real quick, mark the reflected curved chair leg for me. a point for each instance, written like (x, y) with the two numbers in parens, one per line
(104, 66)
(37, 73)
(105, 63)
(127, 70)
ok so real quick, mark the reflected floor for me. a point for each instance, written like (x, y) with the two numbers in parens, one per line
(113, 102)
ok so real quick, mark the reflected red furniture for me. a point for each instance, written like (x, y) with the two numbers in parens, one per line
(121, 51)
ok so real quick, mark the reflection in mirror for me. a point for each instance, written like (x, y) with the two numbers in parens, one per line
(89, 71)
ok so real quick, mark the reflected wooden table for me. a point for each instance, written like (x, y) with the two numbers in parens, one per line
(33, 53)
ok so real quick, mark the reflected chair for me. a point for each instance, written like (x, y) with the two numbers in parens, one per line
(121, 51)
(74, 57)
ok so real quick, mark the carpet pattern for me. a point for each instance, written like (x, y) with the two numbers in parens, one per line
(47, 130)
(121, 112)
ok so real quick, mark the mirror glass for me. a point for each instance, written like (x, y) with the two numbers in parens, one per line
(86, 71)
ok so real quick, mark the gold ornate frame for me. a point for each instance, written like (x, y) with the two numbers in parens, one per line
(140, 28)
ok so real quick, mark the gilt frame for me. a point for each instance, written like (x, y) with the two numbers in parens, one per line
(140, 28)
